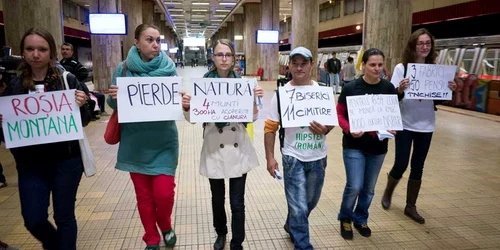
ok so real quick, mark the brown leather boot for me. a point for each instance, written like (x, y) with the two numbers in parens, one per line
(389, 189)
(411, 200)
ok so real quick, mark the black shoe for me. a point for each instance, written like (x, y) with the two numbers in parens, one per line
(346, 229)
(363, 229)
(220, 242)
(287, 230)
(152, 247)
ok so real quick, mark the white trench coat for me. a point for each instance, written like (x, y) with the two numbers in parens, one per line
(227, 152)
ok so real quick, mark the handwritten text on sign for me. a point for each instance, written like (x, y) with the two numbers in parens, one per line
(300, 105)
(373, 113)
(222, 100)
(40, 118)
(147, 99)
(429, 81)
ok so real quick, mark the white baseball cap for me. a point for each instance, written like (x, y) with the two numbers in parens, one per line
(306, 53)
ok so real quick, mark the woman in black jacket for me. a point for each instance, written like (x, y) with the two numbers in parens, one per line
(47, 168)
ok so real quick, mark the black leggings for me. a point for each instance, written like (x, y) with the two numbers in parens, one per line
(421, 144)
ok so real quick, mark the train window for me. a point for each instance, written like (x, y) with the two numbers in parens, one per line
(489, 65)
(467, 61)
(449, 58)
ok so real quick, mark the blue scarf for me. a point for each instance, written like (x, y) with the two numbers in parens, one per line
(161, 65)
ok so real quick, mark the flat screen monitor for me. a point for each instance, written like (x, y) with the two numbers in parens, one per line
(108, 24)
(164, 46)
(268, 36)
(173, 50)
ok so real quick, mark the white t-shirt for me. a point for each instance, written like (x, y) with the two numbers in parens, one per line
(300, 142)
(417, 115)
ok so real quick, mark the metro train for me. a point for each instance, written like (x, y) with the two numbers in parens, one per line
(478, 71)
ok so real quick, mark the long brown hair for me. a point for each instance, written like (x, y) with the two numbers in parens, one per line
(228, 43)
(25, 68)
(410, 53)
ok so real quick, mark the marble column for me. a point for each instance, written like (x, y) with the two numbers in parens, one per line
(305, 22)
(21, 15)
(387, 26)
(239, 30)
(148, 11)
(133, 9)
(106, 49)
(269, 52)
(252, 49)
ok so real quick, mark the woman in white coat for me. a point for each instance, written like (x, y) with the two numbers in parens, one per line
(227, 153)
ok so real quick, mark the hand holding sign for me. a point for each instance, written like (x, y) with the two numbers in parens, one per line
(430, 81)
(113, 91)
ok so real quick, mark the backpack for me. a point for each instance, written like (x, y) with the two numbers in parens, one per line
(281, 131)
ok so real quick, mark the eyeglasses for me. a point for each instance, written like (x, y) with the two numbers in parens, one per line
(220, 56)
(427, 44)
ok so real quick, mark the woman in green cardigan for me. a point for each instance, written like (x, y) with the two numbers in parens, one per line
(149, 150)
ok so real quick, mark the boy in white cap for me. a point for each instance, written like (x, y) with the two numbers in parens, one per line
(303, 167)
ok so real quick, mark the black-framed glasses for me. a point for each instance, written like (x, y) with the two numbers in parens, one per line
(220, 56)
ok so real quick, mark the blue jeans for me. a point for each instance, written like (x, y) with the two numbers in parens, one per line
(303, 184)
(362, 172)
(335, 82)
(36, 182)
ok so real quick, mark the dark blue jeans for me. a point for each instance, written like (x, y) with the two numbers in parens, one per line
(362, 171)
(36, 182)
(303, 185)
(237, 201)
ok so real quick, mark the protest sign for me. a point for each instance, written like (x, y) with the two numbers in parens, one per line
(429, 81)
(300, 105)
(40, 118)
(222, 100)
(148, 99)
(373, 113)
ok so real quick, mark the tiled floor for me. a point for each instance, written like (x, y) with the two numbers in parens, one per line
(460, 198)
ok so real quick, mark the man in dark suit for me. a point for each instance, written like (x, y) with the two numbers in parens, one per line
(333, 67)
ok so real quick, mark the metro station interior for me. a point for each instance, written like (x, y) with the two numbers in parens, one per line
(460, 194)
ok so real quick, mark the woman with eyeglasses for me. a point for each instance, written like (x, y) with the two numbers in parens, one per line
(419, 122)
(227, 153)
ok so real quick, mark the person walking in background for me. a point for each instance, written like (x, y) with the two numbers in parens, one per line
(349, 71)
(149, 150)
(419, 123)
(333, 66)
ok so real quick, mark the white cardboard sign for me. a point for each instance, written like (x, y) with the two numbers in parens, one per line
(300, 105)
(374, 113)
(40, 118)
(429, 81)
(222, 100)
(148, 99)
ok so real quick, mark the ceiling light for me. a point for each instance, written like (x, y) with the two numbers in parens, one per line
(358, 27)
(172, 3)
(198, 16)
(177, 15)
(175, 10)
(196, 20)
(227, 4)
(238, 37)
(200, 3)
(199, 10)
(216, 20)
(218, 15)
(222, 10)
